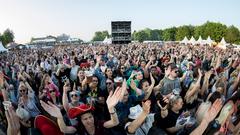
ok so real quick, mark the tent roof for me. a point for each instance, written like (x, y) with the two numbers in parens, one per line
(223, 41)
(185, 40)
(209, 40)
(192, 40)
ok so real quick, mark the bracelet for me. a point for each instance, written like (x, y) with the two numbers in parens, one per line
(112, 113)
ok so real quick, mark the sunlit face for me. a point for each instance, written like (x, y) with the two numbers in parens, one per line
(139, 75)
(110, 84)
(109, 72)
(94, 82)
(81, 73)
(74, 97)
(174, 73)
(92, 63)
(52, 92)
(143, 64)
(22, 90)
(178, 104)
(145, 86)
(154, 71)
(47, 80)
(73, 63)
(87, 120)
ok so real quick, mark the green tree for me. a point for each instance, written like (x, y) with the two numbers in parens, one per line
(185, 30)
(7, 37)
(199, 31)
(156, 35)
(133, 35)
(100, 35)
(141, 35)
(169, 34)
(232, 34)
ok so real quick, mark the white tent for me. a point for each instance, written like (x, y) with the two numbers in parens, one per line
(184, 41)
(224, 42)
(2, 49)
(209, 41)
(192, 41)
(107, 40)
(11, 45)
(200, 41)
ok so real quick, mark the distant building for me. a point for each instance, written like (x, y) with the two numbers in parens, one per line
(121, 32)
(43, 41)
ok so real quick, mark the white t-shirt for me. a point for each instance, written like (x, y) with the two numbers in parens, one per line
(144, 128)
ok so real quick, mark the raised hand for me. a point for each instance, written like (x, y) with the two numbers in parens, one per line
(213, 111)
(166, 100)
(146, 106)
(199, 72)
(52, 109)
(13, 122)
(152, 79)
(133, 85)
(66, 87)
(113, 98)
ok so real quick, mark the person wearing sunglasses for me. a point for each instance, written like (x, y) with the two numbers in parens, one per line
(87, 124)
(171, 81)
(53, 96)
(27, 100)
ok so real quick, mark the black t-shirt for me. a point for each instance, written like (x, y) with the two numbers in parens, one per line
(62, 77)
(167, 122)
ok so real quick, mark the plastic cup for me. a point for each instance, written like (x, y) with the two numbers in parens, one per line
(7, 104)
(89, 76)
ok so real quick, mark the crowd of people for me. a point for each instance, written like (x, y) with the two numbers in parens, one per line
(141, 89)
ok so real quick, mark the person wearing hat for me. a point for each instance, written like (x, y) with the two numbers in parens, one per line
(140, 119)
(87, 124)
(171, 82)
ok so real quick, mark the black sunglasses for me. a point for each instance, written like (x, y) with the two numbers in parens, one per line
(176, 71)
(74, 95)
(108, 83)
(51, 91)
(22, 90)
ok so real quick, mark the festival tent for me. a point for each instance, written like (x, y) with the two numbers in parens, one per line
(200, 41)
(192, 41)
(107, 40)
(2, 48)
(184, 41)
(11, 45)
(223, 44)
(209, 41)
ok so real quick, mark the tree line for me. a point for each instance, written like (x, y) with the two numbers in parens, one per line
(7, 37)
(215, 30)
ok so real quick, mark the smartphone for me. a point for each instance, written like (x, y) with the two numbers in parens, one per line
(161, 101)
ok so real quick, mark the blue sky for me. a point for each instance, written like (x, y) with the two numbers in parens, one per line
(81, 18)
